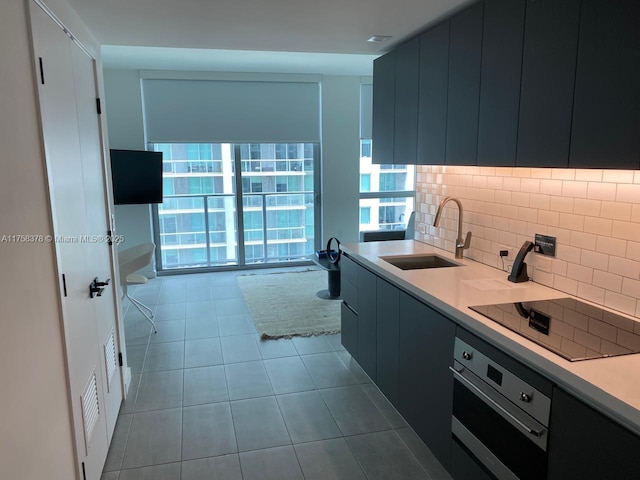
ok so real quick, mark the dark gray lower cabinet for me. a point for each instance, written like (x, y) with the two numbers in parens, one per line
(349, 329)
(388, 326)
(367, 315)
(584, 444)
(426, 384)
(464, 466)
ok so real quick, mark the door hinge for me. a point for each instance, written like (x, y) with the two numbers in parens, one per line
(120, 359)
(41, 70)
(64, 284)
(84, 473)
(109, 235)
(98, 106)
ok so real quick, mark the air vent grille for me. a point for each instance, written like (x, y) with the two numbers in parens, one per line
(110, 358)
(90, 407)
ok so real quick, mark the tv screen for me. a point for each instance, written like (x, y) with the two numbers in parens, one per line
(137, 176)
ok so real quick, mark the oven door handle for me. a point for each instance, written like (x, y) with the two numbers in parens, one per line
(491, 401)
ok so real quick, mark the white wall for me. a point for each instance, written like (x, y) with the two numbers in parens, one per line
(340, 151)
(123, 102)
(35, 431)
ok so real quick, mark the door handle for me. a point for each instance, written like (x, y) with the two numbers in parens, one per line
(94, 287)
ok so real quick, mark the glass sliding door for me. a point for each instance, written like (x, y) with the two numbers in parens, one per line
(236, 204)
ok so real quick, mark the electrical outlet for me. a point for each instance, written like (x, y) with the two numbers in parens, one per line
(504, 253)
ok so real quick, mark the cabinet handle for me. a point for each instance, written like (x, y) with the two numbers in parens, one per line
(491, 401)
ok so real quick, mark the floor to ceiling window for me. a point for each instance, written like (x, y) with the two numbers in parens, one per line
(386, 193)
(236, 204)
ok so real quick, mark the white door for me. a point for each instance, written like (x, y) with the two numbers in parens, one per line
(100, 246)
(73, 159)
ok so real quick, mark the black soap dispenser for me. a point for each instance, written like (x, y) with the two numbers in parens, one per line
(519, 269)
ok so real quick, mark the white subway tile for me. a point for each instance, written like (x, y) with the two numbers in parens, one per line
(616, 210)
(551, 187)
(501, 223)
(540, 201)
(628, 193)
(611, 246)
(599, 226)
(517, 226)
(583, 240)
(563, 173)
(624, 267)
(591, 292)
(520, 199)
(572, 222)
(579, 272)
(562, 204)
(479, 181)
(602, 191)
(595, 260)
(574, 189)
(626, 230)
(563, 235)
(618, 176)
(583, 206)
(511, 183)
(543, 278)
(531, 185)
(607, 280)
(568, 253)
(508, 211)
(546, 217)
(527, 214)
(636, 176)
(633, 250)
(540, 173)
(565, 284)
(620, 302)
(504, 171)
(589, 175)
(631, 287)
(560, 267)
(635, 212)
(508, 238)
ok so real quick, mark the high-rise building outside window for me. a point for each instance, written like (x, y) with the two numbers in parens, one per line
(387, 192)
(197, 223)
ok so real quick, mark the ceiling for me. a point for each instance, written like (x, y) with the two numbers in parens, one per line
(214, 31)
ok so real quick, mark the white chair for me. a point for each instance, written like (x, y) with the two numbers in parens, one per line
(130, 261)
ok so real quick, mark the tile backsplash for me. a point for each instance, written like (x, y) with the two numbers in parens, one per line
(594, 215)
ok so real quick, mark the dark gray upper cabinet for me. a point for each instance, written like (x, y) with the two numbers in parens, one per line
(465, 52)
(500, 82)
(548, 75)
(583, 443)
(384, 81)
(406, 102)
(432, 97)
(606, 111)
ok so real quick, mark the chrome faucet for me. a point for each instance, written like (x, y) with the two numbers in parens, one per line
(461, 245)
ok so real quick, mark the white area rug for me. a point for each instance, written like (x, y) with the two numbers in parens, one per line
(284, 305)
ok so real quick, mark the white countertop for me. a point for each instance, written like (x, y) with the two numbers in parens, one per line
(612, 385)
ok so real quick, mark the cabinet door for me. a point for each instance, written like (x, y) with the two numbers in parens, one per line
(432, 101)
(583, 443)
(388, 331)
(548, 74)
(606, 113)
(426, 384)
(367, 322)
(500, 81)
(384, 78)
(465, 50)
(349, 329)
(406, 102)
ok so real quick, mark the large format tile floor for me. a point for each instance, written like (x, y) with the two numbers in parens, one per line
(211, 400)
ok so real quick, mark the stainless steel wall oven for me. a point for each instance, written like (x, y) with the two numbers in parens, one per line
(499, 420)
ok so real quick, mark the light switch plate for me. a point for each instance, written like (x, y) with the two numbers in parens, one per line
(545, 245)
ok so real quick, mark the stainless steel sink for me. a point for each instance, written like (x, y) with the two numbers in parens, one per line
(416, 262)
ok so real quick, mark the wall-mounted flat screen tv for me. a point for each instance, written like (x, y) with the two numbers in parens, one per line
(137, 176)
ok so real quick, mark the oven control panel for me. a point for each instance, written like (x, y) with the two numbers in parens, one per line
(505, 382)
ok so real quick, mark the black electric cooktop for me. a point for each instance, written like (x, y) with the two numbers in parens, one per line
(573, 329)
